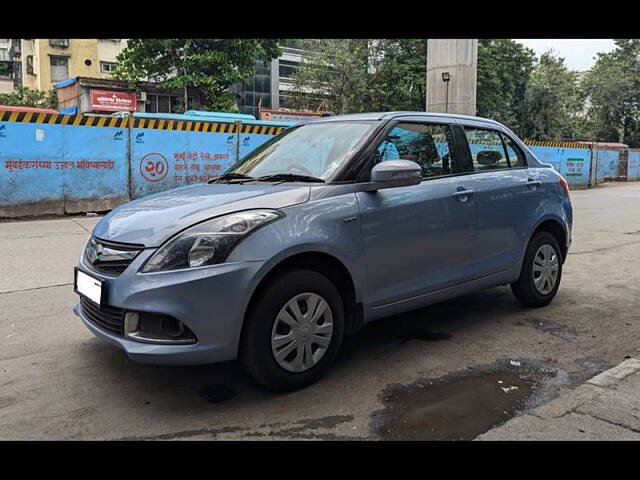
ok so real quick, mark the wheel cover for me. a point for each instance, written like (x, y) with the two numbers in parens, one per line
(302, 332)
(545, 269)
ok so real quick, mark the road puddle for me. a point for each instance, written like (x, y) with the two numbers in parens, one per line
(460, 406)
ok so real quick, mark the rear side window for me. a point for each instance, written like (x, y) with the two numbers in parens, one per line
(429, 145)
(492, 150)
(487, 149)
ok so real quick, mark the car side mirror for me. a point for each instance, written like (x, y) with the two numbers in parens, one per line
(394, 173)
(488, 157)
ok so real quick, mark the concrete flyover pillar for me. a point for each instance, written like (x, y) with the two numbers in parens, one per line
(459, 59)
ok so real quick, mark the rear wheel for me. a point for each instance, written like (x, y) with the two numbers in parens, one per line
(541, 271)
(293, 331)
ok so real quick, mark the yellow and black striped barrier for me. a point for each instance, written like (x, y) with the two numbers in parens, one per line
(147, 123)
(536, 143)
(61, 119)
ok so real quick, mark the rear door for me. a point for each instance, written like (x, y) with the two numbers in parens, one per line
(419, 238)
(508, 194)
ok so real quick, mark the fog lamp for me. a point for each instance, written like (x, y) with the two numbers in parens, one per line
(156, 328)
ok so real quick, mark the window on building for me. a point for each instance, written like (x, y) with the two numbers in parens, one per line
(161, 103)
(286, 69)
(4, 55)
(59, 42)
(107, 67)
(29, 60)
(428, 145)
(59, 69)
(487, 149)
(255, 89)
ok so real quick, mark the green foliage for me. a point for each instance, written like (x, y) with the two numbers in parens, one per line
(504, 68)
(25, 97)
(613, 90)
(208, 66)
(552, 104)
(357, 75)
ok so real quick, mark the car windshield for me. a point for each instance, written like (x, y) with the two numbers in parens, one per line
(314, 150)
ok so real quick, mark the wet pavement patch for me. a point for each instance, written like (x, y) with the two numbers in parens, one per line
(461, 406)
(554, 328)
(217, 393)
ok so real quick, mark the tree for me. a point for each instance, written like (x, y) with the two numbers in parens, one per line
(25, 97)
(612, 88)
(210, 66)
(504, 67)
(356, 75)
(401, 76)
(552, 102)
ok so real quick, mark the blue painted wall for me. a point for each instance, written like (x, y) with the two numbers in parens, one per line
(31, 158)
(607, 162)
(572, 163)
(633, 165)
(57, 168)
(60, 167)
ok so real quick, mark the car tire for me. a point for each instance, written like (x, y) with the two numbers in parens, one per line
(527, 288)
(264, 326)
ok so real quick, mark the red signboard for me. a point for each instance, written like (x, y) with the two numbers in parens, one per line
(109, 101)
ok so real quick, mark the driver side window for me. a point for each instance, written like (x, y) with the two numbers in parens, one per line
(429, 145)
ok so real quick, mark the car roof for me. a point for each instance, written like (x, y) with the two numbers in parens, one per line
(390, 115)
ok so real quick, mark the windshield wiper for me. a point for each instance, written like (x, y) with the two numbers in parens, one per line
(294, 177)
(231, 176)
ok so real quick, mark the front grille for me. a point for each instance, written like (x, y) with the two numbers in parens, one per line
(104, 316)
(110, 258)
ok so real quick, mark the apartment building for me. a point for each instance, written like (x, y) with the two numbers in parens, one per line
(6, 65)
(46, 61)
(272, 86)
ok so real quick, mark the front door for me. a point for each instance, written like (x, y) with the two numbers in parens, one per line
(418, 239)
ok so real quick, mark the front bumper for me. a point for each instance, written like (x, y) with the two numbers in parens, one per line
(211, 301)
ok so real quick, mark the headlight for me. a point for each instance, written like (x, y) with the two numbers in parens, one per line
(209, 242)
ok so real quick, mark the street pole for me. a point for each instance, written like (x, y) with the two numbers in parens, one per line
(446, 77)
(446, 99)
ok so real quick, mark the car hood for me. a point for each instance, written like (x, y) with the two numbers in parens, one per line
(151, 220)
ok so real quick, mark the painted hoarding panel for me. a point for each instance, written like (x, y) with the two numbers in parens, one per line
(607, 164)
(164, 159)
(633, 165)
(31, 167)
(251, 141)
(51, 163)
(571, 163)
(154, 157)
(97, 167)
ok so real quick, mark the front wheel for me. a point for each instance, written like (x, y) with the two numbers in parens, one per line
(293, 331)
(541, 271)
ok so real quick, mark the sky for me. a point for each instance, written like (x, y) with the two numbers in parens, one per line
(579, 54)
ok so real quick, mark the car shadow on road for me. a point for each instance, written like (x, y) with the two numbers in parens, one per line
(200, 387)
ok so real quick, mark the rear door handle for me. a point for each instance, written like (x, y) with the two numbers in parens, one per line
(462, 195)
(533, 183)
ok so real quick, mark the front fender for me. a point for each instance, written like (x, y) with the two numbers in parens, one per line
(329, 225)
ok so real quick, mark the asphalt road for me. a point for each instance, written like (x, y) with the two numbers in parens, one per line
(59, 382)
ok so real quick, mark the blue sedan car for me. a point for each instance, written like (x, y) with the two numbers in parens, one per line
(326, 227)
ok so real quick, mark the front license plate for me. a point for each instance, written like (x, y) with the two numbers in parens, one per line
(88, 286)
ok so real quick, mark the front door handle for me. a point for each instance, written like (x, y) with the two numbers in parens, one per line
(462, 195)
